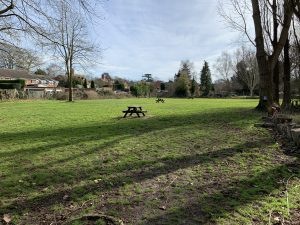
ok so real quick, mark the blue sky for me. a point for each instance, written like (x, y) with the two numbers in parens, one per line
(153, 36)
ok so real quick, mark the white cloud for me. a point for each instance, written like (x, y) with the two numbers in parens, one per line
(153, 36)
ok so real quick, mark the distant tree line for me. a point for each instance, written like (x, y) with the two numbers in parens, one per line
(186, 83)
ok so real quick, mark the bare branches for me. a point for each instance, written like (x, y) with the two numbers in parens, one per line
(224, 66)
(30, 16)
(7, 8)
(296, 7)
(68, 38)
(236, 19)
(12, 57)
(288, 14)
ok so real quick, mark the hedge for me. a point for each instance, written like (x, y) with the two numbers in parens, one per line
(12, 84)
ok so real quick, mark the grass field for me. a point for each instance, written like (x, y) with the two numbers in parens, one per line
(189, 161)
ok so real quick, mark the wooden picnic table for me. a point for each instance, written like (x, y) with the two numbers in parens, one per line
(134, 109)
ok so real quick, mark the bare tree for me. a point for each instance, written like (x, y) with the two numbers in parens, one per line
(69, 40)
(246, 68)
(224, 65)
(54, 70)
(269, 16)
(12, 57)
(266, 63)
(29, 16)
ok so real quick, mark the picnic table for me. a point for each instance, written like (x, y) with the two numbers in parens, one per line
(134, 109)
(160, 100)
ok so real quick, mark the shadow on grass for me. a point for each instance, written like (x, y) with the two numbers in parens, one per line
(139, 171)
(136, 172)
(105, 135)
(228, 197)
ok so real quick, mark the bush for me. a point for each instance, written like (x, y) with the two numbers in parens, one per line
(8, 94)
(22, 95)
(91, 94)
(12, 84)
(105, 93)
(60, 95)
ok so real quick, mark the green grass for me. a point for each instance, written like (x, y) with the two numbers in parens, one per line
(197, 161)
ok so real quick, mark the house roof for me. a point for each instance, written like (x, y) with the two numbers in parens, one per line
(21, 74)
(15, 74)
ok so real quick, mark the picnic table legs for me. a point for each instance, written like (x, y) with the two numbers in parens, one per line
(137, 113)
(136, 110)
(125, 115)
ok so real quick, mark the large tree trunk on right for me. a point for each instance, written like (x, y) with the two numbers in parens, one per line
(266, 64)
(265, 71)
(276, 83)
(286, 77)
(265, 84)
(274, 44)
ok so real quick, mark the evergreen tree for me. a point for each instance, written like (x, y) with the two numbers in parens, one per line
(205, 79)
(92, 84)
(194, 89)
(177, 75)
(148, 77)
(182, 88)
(186, 68)
(85, 83)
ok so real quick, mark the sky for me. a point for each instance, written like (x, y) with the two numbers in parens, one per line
(154, 36)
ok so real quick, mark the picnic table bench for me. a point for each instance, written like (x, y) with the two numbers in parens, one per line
(134, 109)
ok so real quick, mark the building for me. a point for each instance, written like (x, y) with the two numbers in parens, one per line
(32, 81)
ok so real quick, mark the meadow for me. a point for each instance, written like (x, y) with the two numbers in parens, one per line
(189, 161)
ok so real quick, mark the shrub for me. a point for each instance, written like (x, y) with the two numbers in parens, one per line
(60, 95)
(12, 84)
(91, 94)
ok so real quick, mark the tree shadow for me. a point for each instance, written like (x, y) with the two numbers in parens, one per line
(126, 173)
(228, 197)
(135, 172)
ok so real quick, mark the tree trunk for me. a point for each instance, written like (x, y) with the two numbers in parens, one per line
(266, 64)
(274, 44)
(265, 72)
(70, 76)
(266, 85)
(286, 77)
(276, 83)
(251, 92)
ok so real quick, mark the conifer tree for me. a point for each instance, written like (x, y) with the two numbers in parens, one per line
(92, 84)
(205, 79)
(85, 83)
